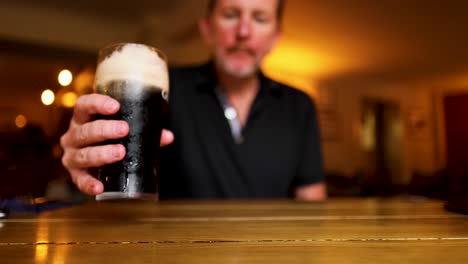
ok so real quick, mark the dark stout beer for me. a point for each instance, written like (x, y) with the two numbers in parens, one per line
(141, 91)
(136, 173)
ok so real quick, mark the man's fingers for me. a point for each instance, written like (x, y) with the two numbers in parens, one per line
(95, 156)
(96, 132)
(86, 183)
(91, 104)
(167, 137)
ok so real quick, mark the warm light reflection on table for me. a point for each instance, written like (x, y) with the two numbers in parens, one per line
(337, 231)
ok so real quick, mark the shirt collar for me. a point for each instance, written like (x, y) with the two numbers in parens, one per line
(208, 80)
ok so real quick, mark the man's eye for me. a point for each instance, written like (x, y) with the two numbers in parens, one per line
(261, 18)
(230, 14)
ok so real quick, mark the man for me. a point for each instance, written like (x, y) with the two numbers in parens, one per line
(237, 133)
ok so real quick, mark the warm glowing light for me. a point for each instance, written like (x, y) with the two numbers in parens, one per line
(368, 132)
(69, 99)
(304, 65)
(42, 238)
(65, 77)
(47, 97)
(300, 60)
(20, 121)
(40, 255)
(83, 81)
(298, 66)
(57, 151)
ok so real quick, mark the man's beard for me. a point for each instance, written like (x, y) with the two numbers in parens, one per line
(243, 73)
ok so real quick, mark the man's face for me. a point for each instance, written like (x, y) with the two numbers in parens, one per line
(240, 34)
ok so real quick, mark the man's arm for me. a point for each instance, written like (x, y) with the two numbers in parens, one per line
(310, 180)
(311, 192)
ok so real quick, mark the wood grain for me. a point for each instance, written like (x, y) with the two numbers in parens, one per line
(336, 231)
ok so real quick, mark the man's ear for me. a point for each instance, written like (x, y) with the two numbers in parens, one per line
(205, 30)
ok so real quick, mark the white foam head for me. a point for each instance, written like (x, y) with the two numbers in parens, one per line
(134, 62)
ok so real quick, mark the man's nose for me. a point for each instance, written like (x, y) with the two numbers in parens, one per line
(244, 29)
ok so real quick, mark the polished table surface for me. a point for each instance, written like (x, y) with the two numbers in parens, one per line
(397, 230)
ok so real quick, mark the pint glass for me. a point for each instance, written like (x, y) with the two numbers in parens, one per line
(136, 75)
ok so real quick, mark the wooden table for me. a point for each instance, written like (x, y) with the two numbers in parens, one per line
(337, 231)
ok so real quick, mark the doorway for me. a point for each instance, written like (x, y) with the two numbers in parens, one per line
(456, 132)
(382, 139)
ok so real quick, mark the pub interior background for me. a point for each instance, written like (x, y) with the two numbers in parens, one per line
(390, 79)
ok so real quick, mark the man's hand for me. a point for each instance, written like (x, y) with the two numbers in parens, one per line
(311, 192)
(81, 151)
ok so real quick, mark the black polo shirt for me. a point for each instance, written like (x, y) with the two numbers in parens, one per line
(280, 148)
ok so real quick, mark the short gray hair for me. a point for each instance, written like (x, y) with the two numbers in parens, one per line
(279, 10)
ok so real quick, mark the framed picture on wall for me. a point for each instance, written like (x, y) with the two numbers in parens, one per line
(330, 123)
